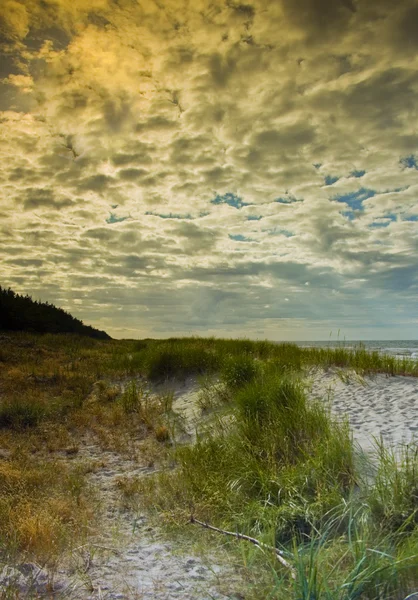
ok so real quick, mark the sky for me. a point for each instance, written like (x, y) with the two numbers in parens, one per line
(212, 167)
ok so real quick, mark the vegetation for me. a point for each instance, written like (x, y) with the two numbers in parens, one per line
(41, 514)
(272, 465)
(21, 313)
(180, 357)
(284, 472)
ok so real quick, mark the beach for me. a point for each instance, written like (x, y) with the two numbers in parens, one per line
(377, 407)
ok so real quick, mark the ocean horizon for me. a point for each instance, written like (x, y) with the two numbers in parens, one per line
(406, 348)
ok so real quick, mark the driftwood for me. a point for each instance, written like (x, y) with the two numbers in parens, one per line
(240, 536)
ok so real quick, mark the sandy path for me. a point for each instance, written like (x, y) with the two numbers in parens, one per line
(141, 563)
(185, 406)
(378, 406)
(129, 558)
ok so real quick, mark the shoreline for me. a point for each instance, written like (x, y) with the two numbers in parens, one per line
(407, 349)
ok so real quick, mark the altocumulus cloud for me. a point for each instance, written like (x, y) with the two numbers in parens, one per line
(213, 167)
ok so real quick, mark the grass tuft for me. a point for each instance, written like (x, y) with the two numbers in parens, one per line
(20, 412)
(237, 371)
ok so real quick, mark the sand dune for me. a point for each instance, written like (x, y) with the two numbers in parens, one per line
(377, 407)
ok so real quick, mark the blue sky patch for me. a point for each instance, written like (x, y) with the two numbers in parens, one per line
(277, 231)
(357, 173)
(350, 214)
(386, 220)
(317, 165)
(114, 219)
(254, 218)
(409, 162)
(412, 218)
(329, 180)
(287, 200)
(355, 199)
(239, 238)
(230, 199)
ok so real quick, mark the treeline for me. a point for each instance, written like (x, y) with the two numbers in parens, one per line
(21, 313)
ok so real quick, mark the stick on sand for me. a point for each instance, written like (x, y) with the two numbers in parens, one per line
(241, 536)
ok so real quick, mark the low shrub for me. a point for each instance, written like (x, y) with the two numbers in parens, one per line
(237, 371)
(131, 399)
(21, 412)
(162, 433)
(171, 360)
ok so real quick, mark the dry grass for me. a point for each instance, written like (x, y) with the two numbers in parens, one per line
(56, 392)
(44, 505)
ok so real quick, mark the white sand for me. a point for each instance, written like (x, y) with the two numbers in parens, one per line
(185, 406)
(130, 558)
(377, 407)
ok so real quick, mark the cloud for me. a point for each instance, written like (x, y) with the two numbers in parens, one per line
(196, 166)
(15, 20)
(320, 18)
(43, 198)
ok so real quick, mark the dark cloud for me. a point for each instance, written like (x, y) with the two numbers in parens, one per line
(26, 175)
(98, 20)
(132, 174)
(406, 34)
(320, 18)
(116, 113)
(41, 197)
(288, 138)
(36, 38)
(140, 157)
(95, 183)
(247, 11)
(26, 262)
(159, 123)
(8, 62)
(12, 98)
(382, 98)
(221, 69)
(195, 239)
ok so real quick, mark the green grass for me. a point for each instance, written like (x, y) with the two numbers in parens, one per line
(283, 471)
(237, 371)
(180, 357)
(393, 497)
(21, 412)
(364, 562)
(272, 465)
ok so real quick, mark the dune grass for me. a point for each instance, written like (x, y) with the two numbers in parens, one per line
(283, 471)
(273, 465)
(179, 357)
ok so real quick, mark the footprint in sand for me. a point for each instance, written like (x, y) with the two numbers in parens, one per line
(383, 406)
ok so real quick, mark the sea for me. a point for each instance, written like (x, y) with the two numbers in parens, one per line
(398, 348)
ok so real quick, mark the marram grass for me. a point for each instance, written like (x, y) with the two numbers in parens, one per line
(283, 471)
(274, 466)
